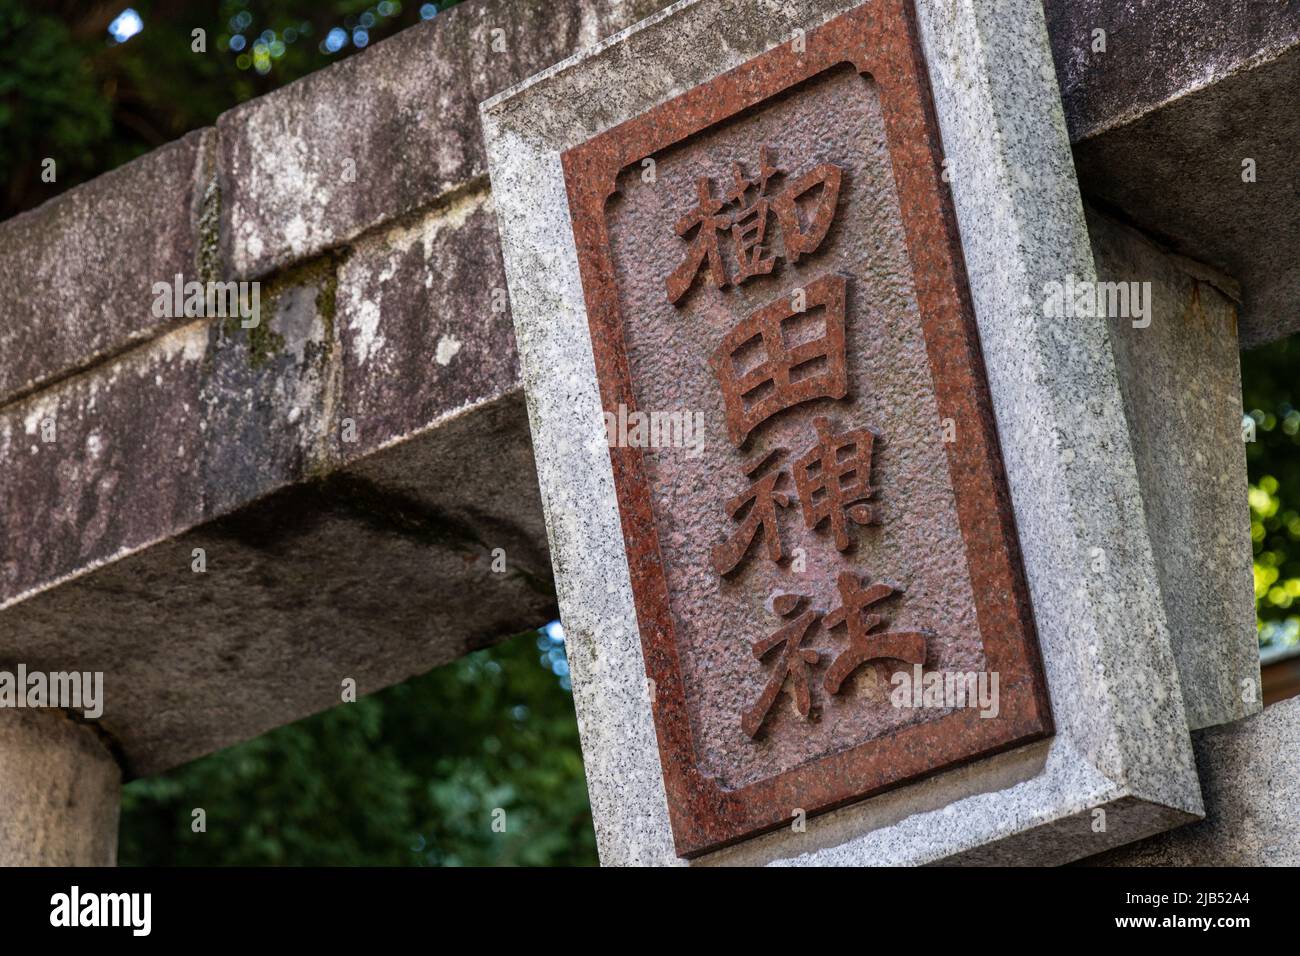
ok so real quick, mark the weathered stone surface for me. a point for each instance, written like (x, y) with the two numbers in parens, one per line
(387, 131)
(249, 412)
(324, 559)
(1181, 380)
(424, 323)
(1178, 174)
(59, 792)
(1121, 742)
(122, 468)
(269, 392)
(76, 274)
(186, 427)
(1250, 776)
(1156, 51)
(376, 573)
(1186, 91)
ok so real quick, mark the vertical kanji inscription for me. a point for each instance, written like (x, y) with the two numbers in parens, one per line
(792, 272)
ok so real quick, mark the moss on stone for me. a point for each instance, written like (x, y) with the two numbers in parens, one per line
(264, 343)
(209, 251)
(327, 305)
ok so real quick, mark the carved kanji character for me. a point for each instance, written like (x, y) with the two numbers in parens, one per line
(707, 223)
(833, 480)
(864, 646)
(786, 374)
(793, 664)
(797, 240)
(749, 224)
(762, 498)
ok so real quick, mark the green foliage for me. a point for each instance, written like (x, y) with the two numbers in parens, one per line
(50, 105)
(407, 776)
(69, 92)
(1269, 389)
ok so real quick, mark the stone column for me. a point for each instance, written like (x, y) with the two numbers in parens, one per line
(59, 792)
(1119, 765)
(1179, 373)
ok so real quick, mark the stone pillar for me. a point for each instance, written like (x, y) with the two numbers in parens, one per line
(1180, 376)
(59, 792)
(660, 694)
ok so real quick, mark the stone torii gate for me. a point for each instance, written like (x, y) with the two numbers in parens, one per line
(229, 521)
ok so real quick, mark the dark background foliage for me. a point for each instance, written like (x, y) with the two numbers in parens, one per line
(1269, 378)
(69, 91)
(415, 774)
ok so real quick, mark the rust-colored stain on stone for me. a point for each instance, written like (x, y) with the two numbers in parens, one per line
(774, 254)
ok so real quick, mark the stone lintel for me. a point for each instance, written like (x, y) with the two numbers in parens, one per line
(352, 467)
(346, 472)
(385, 132)
(77, 273)
(1174, 335)
(1250, 777)
(1186, 126)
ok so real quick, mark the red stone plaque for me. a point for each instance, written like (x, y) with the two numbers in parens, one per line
(827, 579)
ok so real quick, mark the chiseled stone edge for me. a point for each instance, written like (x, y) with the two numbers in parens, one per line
(268, 186)
(401, 113)
(1161, 120)
(1157, 52)
(1121, 742)
(77, 272)
(1250, 771)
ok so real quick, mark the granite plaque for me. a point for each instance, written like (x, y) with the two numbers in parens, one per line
(822, 552)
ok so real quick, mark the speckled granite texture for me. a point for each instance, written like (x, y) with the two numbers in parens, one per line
(1181, 378)
(1122, 746)
(1250, 774)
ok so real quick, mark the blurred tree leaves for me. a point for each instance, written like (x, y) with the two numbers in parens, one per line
(1269, 391)
(50, 105)
(70, 92)
(410, 775)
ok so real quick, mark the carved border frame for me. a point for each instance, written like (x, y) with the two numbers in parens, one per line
(879, 40)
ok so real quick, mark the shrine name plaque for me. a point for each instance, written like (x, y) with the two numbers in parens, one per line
(826, 573)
